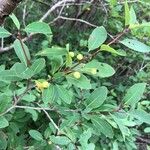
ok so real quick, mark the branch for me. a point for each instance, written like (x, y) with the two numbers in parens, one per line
(17, 100)
(6, 8)
(88, 58)
(34, 108)
(49, 117)
(79, 20)
(54, 7)
(42, 19)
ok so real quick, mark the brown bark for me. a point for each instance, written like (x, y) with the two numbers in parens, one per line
(6, 8)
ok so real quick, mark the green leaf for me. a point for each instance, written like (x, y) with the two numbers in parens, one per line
(98, 37)
(38, 65)
(29, 97)
(111, 50)
(60, 140)
(15, 20)
(19, 50)
(56, 63)
(33, 113)
(96, 98)
(115, 146)
(4, 102)
(9, 75)
(136, 45)
(124, 130)
(134, 93)
(102, 126)
(141, 115)
(147, 130)
(38, 27)
(3, 122)
(49, 94)
(36, 135)
(127, 14)
(64, 94)
(22, 71)
(82, 82)
(70, 121)
(3, 141)
(4, 33)
(53, 52)
(142, 25)
(103, 70)
(113, 2)
(133, 19)
(84, 137)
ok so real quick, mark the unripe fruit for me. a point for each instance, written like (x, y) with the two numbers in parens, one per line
(45, 84)
(93, 71)
(79, 56)
(77, 75)
(71, 54)
(40, 85)
(49, 142)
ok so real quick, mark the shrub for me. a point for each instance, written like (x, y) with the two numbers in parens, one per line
(59, 97)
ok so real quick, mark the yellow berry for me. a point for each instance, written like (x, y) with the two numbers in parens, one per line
(88, 9)
(40, 85)
(45, 84)
(79, 56)
(49, 142)
(71, 54)
(77, 75)
(93, 71)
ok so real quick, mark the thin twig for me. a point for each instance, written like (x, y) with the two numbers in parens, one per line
(79, 20)
(51, 9)
(34, 108)
(49, 117)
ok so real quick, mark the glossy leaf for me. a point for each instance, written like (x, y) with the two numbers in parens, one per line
(3, 141)
(38, 65)
(83, 82)
(127, 14)
(56, 63)
(103, 70)
(33, 113)
(4, 33)
(49, 94)
(38, 27)
(54, 51)
(36, 135)
(124, 130)
(133, 19)
(22, 71)
(4, 102)
(134, 93)
(9, 75)
(102, 126)
(3, 122)
(111, 50)
(96, 98)
(15, 20)
(136, 45)
(84, 137)
(97, 37)
(64, 94)
(60, 140)
(141, 115)
(19, 50)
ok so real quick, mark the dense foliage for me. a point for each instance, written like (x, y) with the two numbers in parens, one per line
(77, 79)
